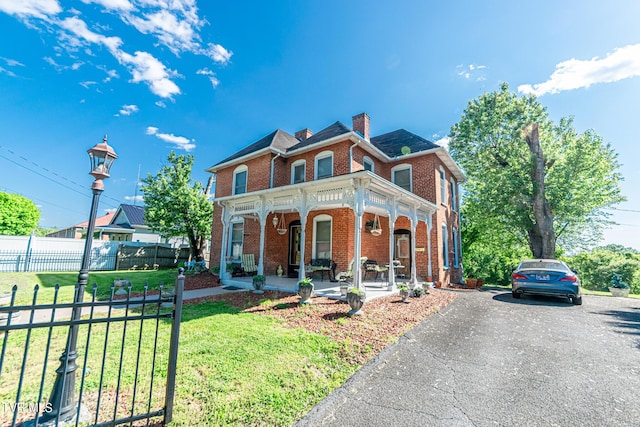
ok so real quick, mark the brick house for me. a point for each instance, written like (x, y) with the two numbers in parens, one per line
(340, 194)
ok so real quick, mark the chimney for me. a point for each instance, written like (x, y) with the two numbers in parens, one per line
(303, 134)
(361, 124)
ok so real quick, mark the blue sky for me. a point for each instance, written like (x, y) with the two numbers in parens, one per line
(209, 78)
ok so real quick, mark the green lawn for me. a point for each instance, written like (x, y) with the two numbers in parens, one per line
(67, 281)
(234, 368)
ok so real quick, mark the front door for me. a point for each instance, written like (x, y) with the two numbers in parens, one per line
(294, 249)
(403, 253)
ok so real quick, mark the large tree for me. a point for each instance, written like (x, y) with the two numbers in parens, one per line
(530, 176)
(19, 216)
(176, 206)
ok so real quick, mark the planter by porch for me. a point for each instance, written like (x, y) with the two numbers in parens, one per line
(619, 292)
(356, 298)
(471, 283)
(404, 292)
(122, 285)
(305, 290)
(258, 283)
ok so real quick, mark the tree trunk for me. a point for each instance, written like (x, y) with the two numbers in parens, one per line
(542, 238)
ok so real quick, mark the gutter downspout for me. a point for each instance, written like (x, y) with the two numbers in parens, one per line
(279, 154)
(351, 155)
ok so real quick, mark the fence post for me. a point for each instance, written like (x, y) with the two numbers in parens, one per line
(118, 257)
(173, 348)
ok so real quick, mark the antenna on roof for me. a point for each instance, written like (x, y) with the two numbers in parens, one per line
(135, 195)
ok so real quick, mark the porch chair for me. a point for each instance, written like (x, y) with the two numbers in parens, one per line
(372, 266)
(249, 264)
(348, 275)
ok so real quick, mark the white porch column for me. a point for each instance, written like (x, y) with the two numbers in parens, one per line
(414, 224)
(262, 216)
(303, 211)
(392, 238)
(225, 218)
(357, 238)
(429, 271)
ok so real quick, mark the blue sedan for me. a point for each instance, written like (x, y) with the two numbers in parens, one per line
(549, 277)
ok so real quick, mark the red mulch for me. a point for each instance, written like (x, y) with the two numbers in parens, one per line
(382, 322)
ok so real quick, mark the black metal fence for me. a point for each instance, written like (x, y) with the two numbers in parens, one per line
(126, 356)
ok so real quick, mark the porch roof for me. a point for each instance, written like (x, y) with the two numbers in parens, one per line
(379, 196)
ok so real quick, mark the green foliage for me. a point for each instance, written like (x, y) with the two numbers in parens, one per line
(306, 281)
(43, 231)
(581, 176)
(597, 268)
(176, 206)
(19, 216)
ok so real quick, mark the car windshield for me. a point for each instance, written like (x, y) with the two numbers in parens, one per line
(551, 265)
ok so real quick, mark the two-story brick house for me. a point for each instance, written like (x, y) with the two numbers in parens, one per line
(290, 199)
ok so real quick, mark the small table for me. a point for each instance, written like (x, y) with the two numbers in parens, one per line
(322, 270)
(396, 268)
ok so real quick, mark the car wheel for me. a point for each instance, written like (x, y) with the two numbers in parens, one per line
(577, 300)
(516, 295)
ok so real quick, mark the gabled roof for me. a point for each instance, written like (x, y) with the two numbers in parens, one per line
(134, 214)
(101, 221)
(392, 143)
(278, 139)
(329, 132)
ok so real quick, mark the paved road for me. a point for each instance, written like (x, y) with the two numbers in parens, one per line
(491, 360)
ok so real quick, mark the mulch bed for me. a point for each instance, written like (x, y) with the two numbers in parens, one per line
(382, 322)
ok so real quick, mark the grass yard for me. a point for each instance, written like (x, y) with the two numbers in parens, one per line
(68, 280)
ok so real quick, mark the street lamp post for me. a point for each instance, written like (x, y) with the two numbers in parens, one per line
(62, 399)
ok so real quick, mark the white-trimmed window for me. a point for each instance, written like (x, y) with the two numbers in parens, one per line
(443, 187)
(368, 164)
(236, 240)
(322, 226)
(324, 165)
(298, 171)
(452, 190)
(456, 257)
(401, 176)
(445, 247)
(240, 180)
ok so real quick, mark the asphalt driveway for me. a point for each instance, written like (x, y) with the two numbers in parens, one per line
(489, 360)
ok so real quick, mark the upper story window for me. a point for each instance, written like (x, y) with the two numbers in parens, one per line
(298, 171)
(401, 176)
(322, 237)
(443, 187)
(452, 190)
(240, 180)
(324, 165)
(368, 164)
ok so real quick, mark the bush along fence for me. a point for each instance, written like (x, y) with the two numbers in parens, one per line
(124, 368)
(127, 257)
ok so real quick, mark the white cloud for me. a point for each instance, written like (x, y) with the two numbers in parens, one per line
(173, 23)
(87, 84)
(622, 63)
(127, 110)
(443, 142)
(134, 198)
(179, 142)
(41, 9)
(161, 104)
(212, 76)
(471, 71)
(7, 72)
(11, 62)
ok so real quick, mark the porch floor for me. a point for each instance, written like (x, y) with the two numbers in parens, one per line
(373, 289)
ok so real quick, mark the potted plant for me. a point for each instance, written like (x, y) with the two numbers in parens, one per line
(305, 289)
(618, 288)
(258, 283)
(418, 292)
(356, 298)
(471, 283)
(404, 291)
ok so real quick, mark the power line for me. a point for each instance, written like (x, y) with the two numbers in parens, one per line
(84, 193)
(623, 210)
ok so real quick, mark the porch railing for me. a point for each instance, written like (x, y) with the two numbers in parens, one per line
(126, 356)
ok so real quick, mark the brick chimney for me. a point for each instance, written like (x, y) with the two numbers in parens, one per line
(303, 134)
(361, 124)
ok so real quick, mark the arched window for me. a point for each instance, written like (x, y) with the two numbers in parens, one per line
(240, 179)
(324, 165)
(401, 176)
(298, 171)
(322, 233)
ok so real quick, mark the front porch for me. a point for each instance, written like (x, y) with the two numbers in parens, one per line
(373, 289)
